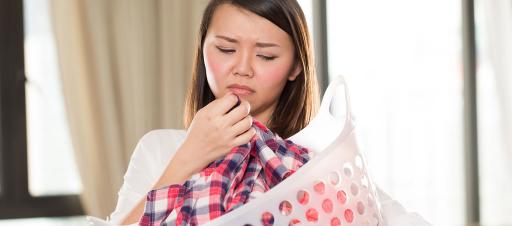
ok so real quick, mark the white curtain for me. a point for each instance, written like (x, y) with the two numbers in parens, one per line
(125, 66)
(494, 29)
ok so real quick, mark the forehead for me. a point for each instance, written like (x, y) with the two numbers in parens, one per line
(245, 25)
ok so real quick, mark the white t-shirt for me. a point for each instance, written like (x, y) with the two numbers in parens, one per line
(154, 151)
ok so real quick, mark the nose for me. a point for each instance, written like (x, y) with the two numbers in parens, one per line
(244, 65)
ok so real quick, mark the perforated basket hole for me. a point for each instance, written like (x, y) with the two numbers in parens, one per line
(312, 215)
(348, 170)
(349, 215)
(303, 197)
(294, 222)
(285, 208)
(334, 178)
(267, 219)
(342, 197)
(319, 187)
(335, 221)
(358, 161)
(360, 208)
(354, 189)
(327, 205)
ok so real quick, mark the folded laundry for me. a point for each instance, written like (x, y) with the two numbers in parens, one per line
(246, 172)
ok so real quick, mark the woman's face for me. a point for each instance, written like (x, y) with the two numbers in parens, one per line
(249, 56)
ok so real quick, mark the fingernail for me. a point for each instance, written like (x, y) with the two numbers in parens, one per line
(237, 100)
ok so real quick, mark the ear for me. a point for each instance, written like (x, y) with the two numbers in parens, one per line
(295, 71)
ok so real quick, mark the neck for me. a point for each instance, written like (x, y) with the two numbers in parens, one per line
(265, 115)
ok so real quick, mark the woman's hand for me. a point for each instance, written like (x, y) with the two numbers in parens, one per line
(214, 131)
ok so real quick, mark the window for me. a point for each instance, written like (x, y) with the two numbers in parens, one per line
(307, 8)
(52, 169)
(403, 62)
(493, 20)
(21, 197)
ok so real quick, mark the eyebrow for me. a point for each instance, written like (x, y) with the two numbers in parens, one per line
(258, 44)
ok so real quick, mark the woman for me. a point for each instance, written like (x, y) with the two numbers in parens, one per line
(254, 60)
(258, 52)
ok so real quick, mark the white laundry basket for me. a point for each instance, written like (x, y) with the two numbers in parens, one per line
(333, 188)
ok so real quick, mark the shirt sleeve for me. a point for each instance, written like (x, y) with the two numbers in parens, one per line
(160, 202)
(149, 159)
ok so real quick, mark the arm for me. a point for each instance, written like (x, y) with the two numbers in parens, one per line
(174, 173)
(211, 134)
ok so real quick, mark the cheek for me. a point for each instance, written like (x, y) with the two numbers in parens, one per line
(216, 71)
(273, 76)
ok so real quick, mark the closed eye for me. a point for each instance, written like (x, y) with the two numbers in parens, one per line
(267, 58)
(225, 50)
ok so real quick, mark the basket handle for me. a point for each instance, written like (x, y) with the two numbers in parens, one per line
(326, 103)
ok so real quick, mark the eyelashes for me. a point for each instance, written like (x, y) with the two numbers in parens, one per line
(231, 51)
(223, 50)
(267, 58)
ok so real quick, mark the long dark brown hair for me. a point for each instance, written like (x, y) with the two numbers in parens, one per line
(299, 99)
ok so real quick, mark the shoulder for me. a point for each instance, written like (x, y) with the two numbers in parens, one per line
(161, 142)
(163, 137)
(158, 145)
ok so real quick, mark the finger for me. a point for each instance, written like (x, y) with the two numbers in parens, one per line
(238, 113)
(241, 126)
(244, 138)
(238, 101)
(224, 104)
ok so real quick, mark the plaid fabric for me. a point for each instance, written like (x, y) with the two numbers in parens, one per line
(245, 173)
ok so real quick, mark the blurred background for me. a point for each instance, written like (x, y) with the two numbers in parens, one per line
(83, 80)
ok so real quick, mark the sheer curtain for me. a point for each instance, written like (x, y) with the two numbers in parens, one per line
(125, 67)
(402, 61)
(494, 73)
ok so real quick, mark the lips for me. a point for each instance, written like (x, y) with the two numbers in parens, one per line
(240, 89)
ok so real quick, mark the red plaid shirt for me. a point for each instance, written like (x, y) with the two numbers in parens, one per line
(243, 174)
